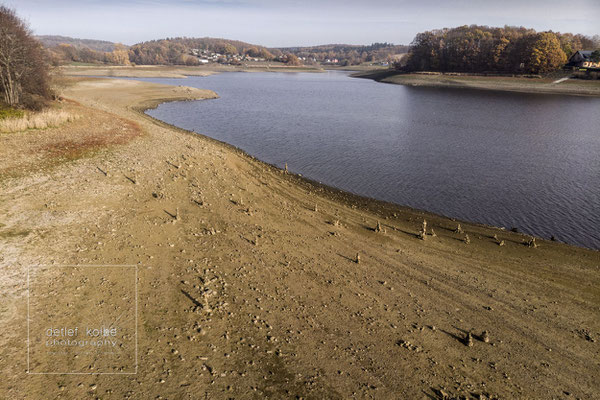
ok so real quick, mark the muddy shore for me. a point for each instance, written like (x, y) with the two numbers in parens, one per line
(160, 71)
(576, 87)
(248, 278)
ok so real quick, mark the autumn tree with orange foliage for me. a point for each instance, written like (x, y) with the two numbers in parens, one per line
(292, 60)
(119, 56)
(484, 49)
(545, 54)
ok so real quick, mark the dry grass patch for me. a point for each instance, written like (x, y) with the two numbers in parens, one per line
(41, 149)
(38, 120)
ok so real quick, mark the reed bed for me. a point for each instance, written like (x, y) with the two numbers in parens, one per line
(38, 120)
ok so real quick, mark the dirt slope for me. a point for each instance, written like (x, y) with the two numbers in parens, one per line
(247, 277)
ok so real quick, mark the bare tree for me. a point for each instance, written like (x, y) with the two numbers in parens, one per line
(23, 64)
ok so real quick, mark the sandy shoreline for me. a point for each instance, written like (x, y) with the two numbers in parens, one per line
(159, 71)
(575, 87)
(285, 309)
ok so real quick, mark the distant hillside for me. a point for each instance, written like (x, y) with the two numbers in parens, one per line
(346, 54)
(184, 50)
(347, 47)
(211, 44)
(65, 50)
(96, 45)
(194, 51)
(179, 50)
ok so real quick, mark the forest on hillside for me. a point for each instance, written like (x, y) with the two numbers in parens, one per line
(347, 54)
(170, 51)
(464, 49)
(97, 45)
(178, 51)
(485, 49)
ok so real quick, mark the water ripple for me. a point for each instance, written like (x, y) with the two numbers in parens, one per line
(507, 159)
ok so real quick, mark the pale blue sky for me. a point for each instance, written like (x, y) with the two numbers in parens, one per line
(291, 22)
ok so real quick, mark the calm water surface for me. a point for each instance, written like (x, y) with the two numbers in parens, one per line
(514, 160)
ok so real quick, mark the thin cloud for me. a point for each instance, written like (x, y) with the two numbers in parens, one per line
(290, 22)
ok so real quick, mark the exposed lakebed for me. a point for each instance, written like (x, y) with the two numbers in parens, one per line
(529, 161)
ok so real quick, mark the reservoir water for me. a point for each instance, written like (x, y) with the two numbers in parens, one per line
(528, 161)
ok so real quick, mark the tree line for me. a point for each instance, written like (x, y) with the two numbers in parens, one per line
(170, 51)
(67, 53)
(24, 77)
(177, 51)
(486, 49)
(54, 40)
(24, 63)
(347, 54)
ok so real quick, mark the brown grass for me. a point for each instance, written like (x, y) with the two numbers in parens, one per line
(89, 133)
(38, 120)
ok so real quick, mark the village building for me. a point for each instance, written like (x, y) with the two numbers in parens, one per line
(582, 60)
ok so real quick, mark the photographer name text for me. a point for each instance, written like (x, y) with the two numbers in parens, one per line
(97, 337)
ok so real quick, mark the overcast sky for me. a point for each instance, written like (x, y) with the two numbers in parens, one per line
(291, 22)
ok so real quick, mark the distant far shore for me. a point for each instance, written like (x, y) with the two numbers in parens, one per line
(179, 71)
(521, 84)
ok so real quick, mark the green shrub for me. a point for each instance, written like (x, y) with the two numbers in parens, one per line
(8, 112)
